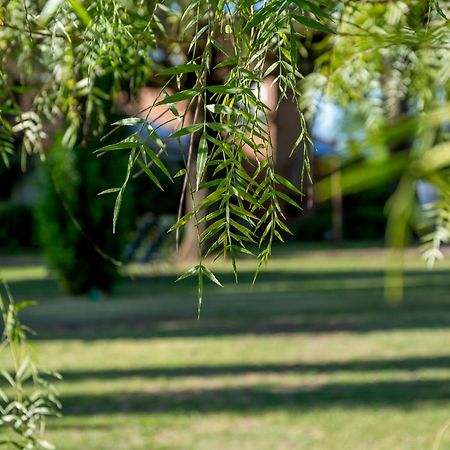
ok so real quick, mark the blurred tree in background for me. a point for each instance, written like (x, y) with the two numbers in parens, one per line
(74, 221)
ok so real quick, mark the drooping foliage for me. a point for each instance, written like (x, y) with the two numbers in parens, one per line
(389, 58)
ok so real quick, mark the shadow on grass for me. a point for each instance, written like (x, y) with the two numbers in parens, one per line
(282, 302)
(408, 364)
(295, 280)
(261, 398)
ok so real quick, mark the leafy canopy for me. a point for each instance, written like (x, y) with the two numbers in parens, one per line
(214, 56)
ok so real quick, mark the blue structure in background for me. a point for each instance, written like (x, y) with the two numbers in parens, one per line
(326, 127)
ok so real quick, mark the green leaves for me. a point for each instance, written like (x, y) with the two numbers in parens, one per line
(140, 154)
(200, 271)
(31, 397)
(51, 6)
(230, 150)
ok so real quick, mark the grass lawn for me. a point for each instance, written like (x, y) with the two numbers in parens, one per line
(311, 358)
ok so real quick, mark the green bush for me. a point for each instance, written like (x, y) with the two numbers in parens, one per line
(16, 225)
(75, 223)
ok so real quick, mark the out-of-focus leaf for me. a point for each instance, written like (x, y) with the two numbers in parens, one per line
(80, 11)
(311, 23)
(365, 175)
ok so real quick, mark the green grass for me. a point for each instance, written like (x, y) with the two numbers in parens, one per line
(311, 358)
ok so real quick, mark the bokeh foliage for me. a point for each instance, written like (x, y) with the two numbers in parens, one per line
(389, 58)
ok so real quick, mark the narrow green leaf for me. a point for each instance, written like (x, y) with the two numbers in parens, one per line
(180, 173)
(118, 203)
(109, 191)
(190, 129)
(227, 62)
(278, 235)
(182, 68)
(286, 183)
(118, 146)
(189, 273)
(288, 199)
(211, 276)
(439, 9)
(157, 161)
(3, 396)
(196, 37)
(130, 121)
(8, 377)
(311, 23)
(154, 135)
(24, 370)
(183, 221)
(202, 157)
(179, 96)
(222, 109)
(150, 174)
(220, 89)
(213, 229)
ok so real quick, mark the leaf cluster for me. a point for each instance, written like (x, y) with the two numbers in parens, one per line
(31, 397)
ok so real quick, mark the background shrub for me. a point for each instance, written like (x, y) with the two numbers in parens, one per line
(75, 223)
(16, 225)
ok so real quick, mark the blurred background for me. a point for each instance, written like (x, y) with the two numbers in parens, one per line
(313, 356)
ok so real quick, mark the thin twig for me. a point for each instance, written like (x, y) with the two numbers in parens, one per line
(186, 176)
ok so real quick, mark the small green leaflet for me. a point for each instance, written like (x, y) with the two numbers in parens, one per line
(119, 146)
(109, 191)
(311, 7)
(200, 270)
(157, 161)
(187, 130)
(211, 276)
(179, 96)
(202, 157)
(180, 173)
(311, 23)
(286, 183)
(288, 199)
(150, 174)
(183, 221)
(182, 68)
(130, 121)
(220, 89)
(118, 203)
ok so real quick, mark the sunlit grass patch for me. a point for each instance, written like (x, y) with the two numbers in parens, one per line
(310, 358)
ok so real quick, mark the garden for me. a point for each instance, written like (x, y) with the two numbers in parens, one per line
(224, 224)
